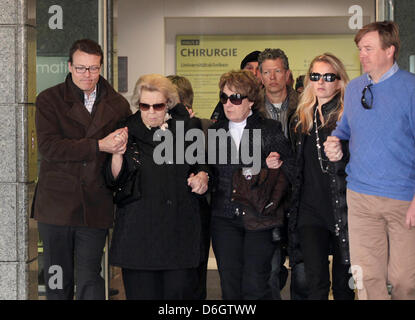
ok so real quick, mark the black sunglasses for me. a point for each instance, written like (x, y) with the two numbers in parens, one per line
(367, 103)
(156, 107)
(327, 77)
(235, 98)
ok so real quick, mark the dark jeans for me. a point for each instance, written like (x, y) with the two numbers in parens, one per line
(244, 259)
(316, 243)
(72, 255)
(279, 275)
(298, 287)
(177, 284)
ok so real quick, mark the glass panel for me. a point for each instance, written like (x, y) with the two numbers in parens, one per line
(59, 24)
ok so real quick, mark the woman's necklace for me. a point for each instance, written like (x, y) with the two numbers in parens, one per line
(320, 158)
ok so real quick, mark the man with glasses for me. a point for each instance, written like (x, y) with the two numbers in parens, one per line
(379, 122)
(280, 103)
(74, 123)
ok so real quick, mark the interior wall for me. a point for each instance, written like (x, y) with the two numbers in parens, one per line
(147, 29)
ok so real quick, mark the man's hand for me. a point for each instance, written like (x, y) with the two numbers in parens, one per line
(333, 148)
(115, 142)
(199, 182)
(273, 160)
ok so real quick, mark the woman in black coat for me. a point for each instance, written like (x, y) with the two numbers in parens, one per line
(319, 212)
(242, 219)
(157, 238)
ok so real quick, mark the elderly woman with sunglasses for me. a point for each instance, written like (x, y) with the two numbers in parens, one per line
(319, 212)
(157, 233)
(246, 205)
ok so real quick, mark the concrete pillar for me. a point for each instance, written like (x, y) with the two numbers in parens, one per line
(18, 150)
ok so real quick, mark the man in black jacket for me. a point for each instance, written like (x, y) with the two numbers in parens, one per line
(280, 103)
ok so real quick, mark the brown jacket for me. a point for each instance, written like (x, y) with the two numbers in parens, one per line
(71, 189)
(261, 199)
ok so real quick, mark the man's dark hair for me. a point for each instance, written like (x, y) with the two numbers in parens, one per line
(273, 54)
(88, 46)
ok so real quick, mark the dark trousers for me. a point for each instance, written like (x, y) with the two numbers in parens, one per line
(244, 259)
(201, 290)
(279, 273)
(298, 287)
(316, 243)
(279, 276)
(72, 256)
(177, 284)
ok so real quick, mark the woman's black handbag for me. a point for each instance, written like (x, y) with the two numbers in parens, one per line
(129, 191)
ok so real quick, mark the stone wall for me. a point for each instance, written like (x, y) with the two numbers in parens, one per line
(18, 234)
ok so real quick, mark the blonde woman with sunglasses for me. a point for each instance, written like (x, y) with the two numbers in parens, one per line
(319, 213)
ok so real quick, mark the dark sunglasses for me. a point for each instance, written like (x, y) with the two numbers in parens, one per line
(235, 98)
(367, 103)
(156, 107)
(327, 77)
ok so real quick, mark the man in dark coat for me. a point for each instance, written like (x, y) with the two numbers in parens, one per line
(74, 209)
(280, 103)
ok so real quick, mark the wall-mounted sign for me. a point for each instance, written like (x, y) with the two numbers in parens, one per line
(204, 58)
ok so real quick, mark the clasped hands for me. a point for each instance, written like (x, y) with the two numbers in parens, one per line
(115, 142)
(198, 182)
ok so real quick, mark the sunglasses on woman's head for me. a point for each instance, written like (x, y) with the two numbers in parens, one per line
(156, 106)
(327, 77)
(235, 98)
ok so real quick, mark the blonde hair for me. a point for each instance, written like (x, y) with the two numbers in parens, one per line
(184, 89)
(155, 82)
(304, 111)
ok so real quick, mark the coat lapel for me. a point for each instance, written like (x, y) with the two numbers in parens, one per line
(103, 115)
(78, 111)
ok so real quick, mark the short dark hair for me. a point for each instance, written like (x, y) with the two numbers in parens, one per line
(88, 46)
(273, 54)
(388, 34)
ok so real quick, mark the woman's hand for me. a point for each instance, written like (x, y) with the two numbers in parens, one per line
(273, 160)
(333, 148)
(199, 182)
